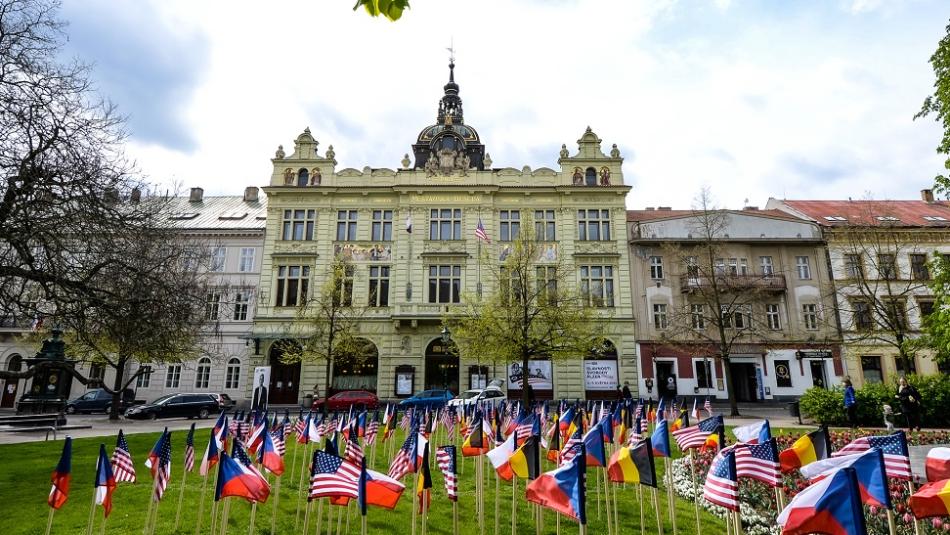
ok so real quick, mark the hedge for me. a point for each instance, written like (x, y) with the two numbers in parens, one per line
(827, 405)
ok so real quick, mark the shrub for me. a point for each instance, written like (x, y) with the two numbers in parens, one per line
(824, 405)
(827, 405)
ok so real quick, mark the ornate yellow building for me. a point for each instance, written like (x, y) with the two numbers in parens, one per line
(411, 234)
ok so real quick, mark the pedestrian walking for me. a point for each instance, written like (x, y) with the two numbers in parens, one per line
(626, 390)
(910, 403)
(850, 403)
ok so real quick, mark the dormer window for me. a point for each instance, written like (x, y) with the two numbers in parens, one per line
(303, 177)
(835, 218)
(934, 218)
(590, 177)
(887, 218)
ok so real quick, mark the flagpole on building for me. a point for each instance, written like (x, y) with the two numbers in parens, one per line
(92, 512)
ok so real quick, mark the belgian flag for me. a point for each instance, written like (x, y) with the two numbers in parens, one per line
(525, 462)
(633, 464)
(809, 448)
(716, 440)
(554, 444)
(681, 421)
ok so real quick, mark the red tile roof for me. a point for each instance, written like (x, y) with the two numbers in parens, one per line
(647, 215)
(883, 213)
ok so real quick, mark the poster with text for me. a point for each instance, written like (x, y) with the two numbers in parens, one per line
(600, 374)
(261, 388)
(539, 375)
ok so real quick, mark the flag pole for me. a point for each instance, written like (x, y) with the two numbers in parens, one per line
(224, 517)
(363, 531)
(415, 487)
(910, 487)
(607, 506)
(92, 512)
(692, 475)
(656, 505)
(480, 490)
(597, 489)
(154, 517)
(425, 513)
(319, 516)
(497, 501)
(300, 485)
(738, 522)
(616, 510)
(250, 529)
(640, 500)
(514, 505)
(102, 530)
(306, 517)
(669, 492)
(347, 530)
(148, 514)
(201, 503)
(273, 518)
(49, 520)
(891, 527)
(339, 519)
(181, 497)
(455, 517)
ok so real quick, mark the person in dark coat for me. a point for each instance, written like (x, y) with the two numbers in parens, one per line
(850, 403)
(910, 403)
(626, 390)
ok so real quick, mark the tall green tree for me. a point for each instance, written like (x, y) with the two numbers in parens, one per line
(938, 105)
(533, 309)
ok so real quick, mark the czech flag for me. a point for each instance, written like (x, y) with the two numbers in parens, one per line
(256, 439)
(633, 464)
(304, 437)
(563, 489)
(831, 506)
(938, 464)
(933, 499)
(754, 433)
(594, 443)
(268, 457)
(105, 482)
(236, 480)
(382, 490)
(216, 444)
(500, 457)
(869, 469)
(61, 476)
(525, 462)
(809, 448)
(661, 440)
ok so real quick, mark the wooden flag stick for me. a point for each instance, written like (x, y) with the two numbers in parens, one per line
(640, 500)
(597, 490)
(300, 487)
(616, 511)
(737, 522)
(339, 519)
(910, 487)
(891, 527)
(455, 518)
(224, 517)
(306, 517)
(692, 476)
(611, 526)
(293, 463)
(656, 505)
(102, 530)
(148, 514)
(273, 516)
(415, 486)
(181, 497)
(49, 520)
(201, 505)
(363, 531)
(92, 513)
(151, 529)
(481, 492)
(319, 517)
(514, 505)
(557, 523)
(497, 501)
(425, 514)
(781, 498)
(347, 530)
(728, 523)
(250, 527)
(669, 492)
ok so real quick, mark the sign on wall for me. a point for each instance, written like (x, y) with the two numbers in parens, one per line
(600, 374)
(261, 385)
(539, 375)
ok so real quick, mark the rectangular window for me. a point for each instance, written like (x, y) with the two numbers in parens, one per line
(233, 374)
(733, 266)
(862, 318)
(298, 225)
(212, 305)
(719, 266)
(445, 284)
(772, 317)
(343, 293)
(546, 281)
(509, 224)
(896, 314)
(926, 309)
(656, 267)
(803, 266)
(172, 375)
(783, 373)
(246, 265)
(292, 284)
(544, 229)
(692, 269)
(765, 263)
(218, 257)
(203, 375)
(741, 318)
(379, 286)
(382, 225)
(887, 266)
(725, 316)
(899, 365)
(854, 266)
(810, 316)
(593, 225)
(743, 266)
(241, 299)
(346, 225)
(191, 257)
(445, 224)
(703, 374)
(698, 316)
(597, 285)
(918, 267)
(659, 316)
(871, 369)
(144, 380)
(97, 372)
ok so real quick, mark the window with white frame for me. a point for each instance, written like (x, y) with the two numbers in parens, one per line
(854, 266)
(703, 373)
(292, 284)
(698, 316)
(346, 225)
(597, 285)
(445, 224)
(656, 267)
(343, 293)
(765, 264)
(298, 225)
(445, 284)
(246, 263)
(232, 376)
(810, 316)
(593, 225)
(213, 305)
(172, 375)
(144, 380)
(743, 266)
(379, 286)
(382, 225)
(803, 266)
(241, 300)
(546, 280)
(218, 257)
(659, 316)
(772, 316)
(203, 373)
(544, 228)
(509, 225)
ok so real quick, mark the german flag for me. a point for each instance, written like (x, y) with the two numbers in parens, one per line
(476, 443)
(525, 461)
(716, 440)
(633, 464)
(809, 448)
(554, 444)
(681, 421)
(423, 488)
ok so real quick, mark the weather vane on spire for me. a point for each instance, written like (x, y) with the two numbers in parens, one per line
(451, 50)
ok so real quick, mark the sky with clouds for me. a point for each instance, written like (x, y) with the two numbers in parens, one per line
(752, 99)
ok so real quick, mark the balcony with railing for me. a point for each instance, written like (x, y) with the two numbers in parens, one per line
(732, 283)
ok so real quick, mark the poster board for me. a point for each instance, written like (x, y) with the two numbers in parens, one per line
(260, 388)
(600, 375)
(539, 375)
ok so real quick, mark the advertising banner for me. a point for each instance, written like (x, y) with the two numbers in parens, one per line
(600, 374)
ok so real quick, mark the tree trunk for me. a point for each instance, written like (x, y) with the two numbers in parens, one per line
(117, 387)
(525, 398)
(326, 386)
(727, 376)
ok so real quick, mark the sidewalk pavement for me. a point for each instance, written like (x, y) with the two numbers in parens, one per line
(101, 426)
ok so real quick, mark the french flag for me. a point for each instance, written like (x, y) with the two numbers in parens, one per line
(61, 476)
(268, 456)
(234, 479)
(831, 506)
(105, 482)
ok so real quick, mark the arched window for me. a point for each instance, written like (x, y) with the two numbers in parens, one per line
(15, 363)
(303, 177)
(203, 373)
(590, 177)
(233, 374)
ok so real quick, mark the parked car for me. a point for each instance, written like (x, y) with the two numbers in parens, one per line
(345, 400)
(428, 398)
(224, 401)
(476, 395)
(176, 406)
(98, 400)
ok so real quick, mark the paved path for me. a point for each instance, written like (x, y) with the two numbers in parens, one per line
(101, 426)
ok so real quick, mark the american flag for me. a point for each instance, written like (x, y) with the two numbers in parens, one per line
(708, 406)
(525, 427)
(644, 426)
(405, 458)
(190, 449)
(759, 462)
(722, 485)
(406, 419)
(894, 448)
(280, 445)
(480, 232)
(301, 426)
(122, 468)
(695, 436)
(162, 472)
(448, 420)
(333, 477)
(353, 452)
(372, 429)
(571, 448)
(639, 410)
(445, 457)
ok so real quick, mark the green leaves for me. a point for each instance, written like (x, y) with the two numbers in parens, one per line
(938, 105)
(391, 9)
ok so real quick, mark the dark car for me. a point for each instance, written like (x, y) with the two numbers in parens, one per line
(428, 398)
(345, 400)
(97, 400)
(176, 406)
(224, 401)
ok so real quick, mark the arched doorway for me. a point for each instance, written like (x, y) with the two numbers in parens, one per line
(356, 369)
(601, 372)
(284, 377)
(442, 366)
(10, 387)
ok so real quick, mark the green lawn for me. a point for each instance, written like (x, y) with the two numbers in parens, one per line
(24, 484)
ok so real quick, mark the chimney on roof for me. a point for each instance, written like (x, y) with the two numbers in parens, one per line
(197, 195)
(750, 208)
(250, 194)
(927, 195)
(665, 208)
(650, 208)
(135, 196)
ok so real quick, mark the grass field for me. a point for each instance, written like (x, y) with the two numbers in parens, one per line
(24, 485)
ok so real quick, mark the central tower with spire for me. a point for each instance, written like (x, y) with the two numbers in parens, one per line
(449, 138)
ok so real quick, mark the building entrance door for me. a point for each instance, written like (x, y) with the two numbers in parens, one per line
(442, 367)
(818, 373)
(743, 380)
(665, 380)
(284, 378)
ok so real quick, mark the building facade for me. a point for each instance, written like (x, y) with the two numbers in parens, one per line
(411, 234)
(775, 290)
(879, 253)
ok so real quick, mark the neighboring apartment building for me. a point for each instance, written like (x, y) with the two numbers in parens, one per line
(13, 350)
(879, 253)
(408, 279)
(776, 295)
